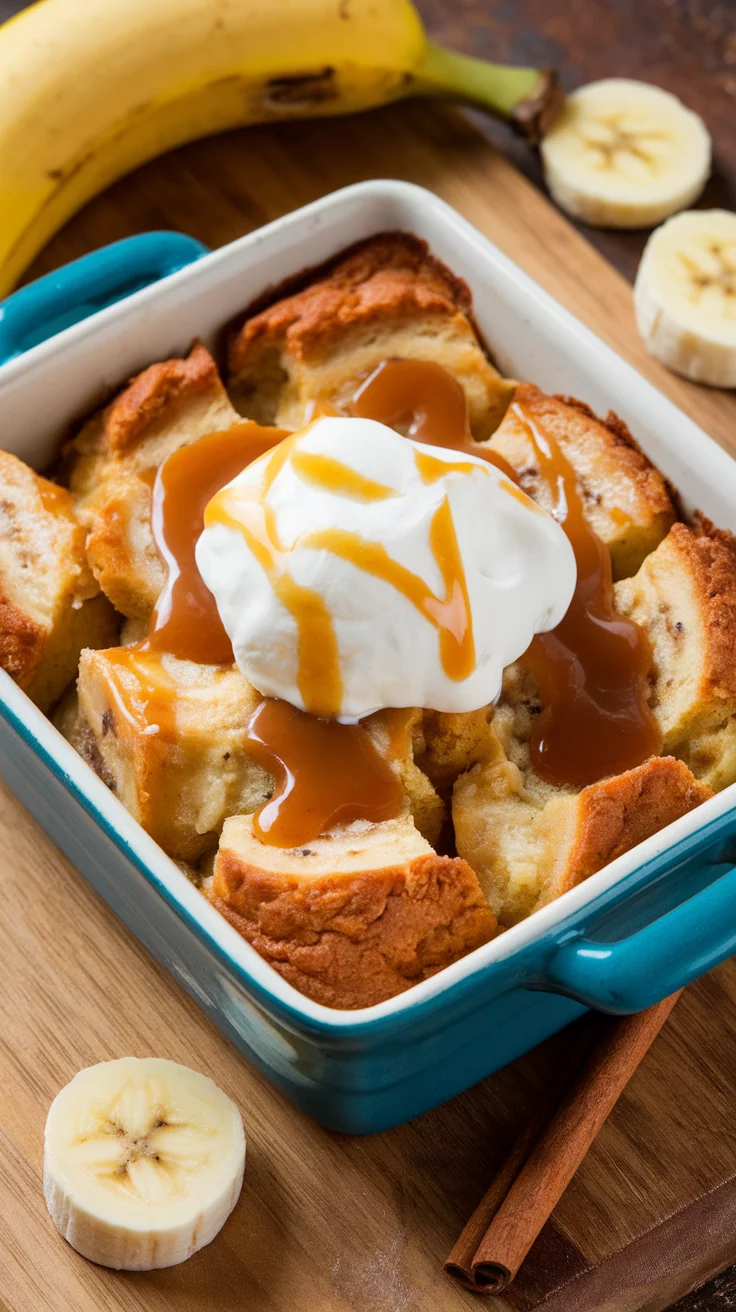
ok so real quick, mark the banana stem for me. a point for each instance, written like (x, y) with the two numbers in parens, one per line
(529, 97)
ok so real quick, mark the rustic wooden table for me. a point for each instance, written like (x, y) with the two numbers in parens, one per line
(328, 1224)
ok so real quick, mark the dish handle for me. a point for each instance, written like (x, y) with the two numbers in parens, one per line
(77, 290)
(637, 971)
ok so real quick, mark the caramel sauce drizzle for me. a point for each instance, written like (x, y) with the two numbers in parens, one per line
(143, 692)
(55, 500)
(326, 774)
(186, 622)
(592, 670)
(423, 401)
(246, 509)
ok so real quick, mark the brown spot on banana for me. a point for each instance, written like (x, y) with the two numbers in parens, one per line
(301, 90)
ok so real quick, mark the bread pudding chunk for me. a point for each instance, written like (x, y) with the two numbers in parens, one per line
(387, 298)
(592, 670)
(170, 741)
(50, 604)
(625, 499)
(684, 596)
(115, 458)
(529, 841)
(356, 916)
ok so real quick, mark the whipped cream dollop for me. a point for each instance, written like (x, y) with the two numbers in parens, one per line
(354, 569)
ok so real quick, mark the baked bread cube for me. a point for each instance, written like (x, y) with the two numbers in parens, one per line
(114, 463)
(684, 596)
(183, 777)
(357, 916)
(387, 298)
(169, 739)
(626, 500)
(529, 842)
(50, 604)
(447, 743)
(396, 733)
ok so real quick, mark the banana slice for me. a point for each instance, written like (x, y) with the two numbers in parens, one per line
(625, 154)
(143, 1162)
(685, 296)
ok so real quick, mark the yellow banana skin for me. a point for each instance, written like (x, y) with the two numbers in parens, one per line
(92, 88)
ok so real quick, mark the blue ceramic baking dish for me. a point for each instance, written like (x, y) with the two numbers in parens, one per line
(650, 922)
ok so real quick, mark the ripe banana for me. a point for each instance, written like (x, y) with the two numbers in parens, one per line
(93, 89)
(685, 296)
(624, 154)
(143, 1162)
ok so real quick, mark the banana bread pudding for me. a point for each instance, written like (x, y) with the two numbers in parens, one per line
(229, 589)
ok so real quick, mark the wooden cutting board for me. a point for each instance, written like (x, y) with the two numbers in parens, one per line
(328, 1223)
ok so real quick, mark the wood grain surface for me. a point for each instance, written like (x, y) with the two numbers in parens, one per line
(328, 1223)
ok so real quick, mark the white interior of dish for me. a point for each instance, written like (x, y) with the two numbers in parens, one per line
(530, 335)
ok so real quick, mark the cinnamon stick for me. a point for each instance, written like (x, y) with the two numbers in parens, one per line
(544, 1159)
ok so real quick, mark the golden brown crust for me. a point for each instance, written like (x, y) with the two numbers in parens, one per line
(354, 940)
(22, 642)
(617, 814)
(684, 596)
(387, 298)
(625, 498)
(389, 275)
(711, 561)
(140, 404)
(113, 466)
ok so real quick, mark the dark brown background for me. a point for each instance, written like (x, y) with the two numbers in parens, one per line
(687, 46)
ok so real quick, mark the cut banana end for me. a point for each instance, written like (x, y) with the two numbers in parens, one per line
(685, 296)
(143, 1162)
(625, 154)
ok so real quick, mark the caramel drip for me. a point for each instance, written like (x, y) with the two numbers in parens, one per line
(54, 499)
(246, 510)
(592, 669)
(425, 402)
(333, 476)
(143, 692)
(450, 614)
(186, 621)
(326, 774)
(431, 468)
(515, 491)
